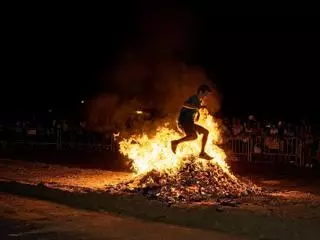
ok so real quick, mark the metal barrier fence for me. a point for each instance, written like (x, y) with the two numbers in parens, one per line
(268, 149)
(250, 148)
(86, 140)
(58, 139)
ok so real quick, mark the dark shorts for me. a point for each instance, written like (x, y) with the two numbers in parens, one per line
(188, 127)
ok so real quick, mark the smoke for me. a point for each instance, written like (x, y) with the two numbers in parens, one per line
(150, 73)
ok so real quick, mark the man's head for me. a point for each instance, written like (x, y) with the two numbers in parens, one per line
(203, 91)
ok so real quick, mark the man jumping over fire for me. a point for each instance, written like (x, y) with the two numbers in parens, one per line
(186, 121)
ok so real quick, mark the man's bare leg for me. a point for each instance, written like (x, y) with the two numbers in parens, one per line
(187, 138)
(205, 134)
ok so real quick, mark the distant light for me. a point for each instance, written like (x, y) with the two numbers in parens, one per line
(50, 110)
(139, 112)
(82, 101)
(116, 134)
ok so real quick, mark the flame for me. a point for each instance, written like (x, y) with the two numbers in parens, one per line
(139, 112)
(154, 152)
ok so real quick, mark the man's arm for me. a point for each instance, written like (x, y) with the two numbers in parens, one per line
(190, 106)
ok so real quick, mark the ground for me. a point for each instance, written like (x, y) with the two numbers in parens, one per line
(45, 201)
(35, 219)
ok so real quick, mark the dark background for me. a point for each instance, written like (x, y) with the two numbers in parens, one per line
(263, 65)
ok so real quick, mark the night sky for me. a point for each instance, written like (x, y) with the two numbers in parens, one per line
(261, 65)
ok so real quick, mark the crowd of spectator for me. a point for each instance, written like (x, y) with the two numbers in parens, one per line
(278, 129)
(272, 135)
(51, 131)
(75, 131)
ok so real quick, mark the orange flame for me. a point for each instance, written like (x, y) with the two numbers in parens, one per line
(154, 153)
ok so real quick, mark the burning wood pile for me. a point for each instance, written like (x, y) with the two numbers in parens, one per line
(191, 183)
(180, 177)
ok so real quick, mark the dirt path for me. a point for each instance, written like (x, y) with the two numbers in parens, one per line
(56, 199)
(36, 219)
(56, 175)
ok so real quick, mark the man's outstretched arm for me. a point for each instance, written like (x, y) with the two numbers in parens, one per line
(191, 106)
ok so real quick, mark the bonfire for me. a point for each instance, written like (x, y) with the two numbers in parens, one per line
(160, 173)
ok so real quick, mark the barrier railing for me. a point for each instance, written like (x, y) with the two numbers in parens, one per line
(238, 149)
(313, 150)
(32, 137)
(86, 140)
(251, 148)
(267, 149)
(58, 139)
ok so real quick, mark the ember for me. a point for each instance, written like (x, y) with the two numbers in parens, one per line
(182, 176)
(189, 184)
